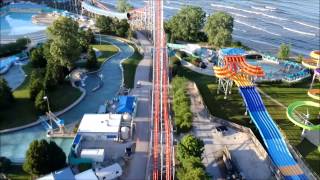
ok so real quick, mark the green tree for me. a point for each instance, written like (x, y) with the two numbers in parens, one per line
(105, 24)
(37, 58)
(6, 97)
(83, 41)
(186, 24)
(65, 47)
(36, 82)
(91, 59)
(43, 157)
(300, 58)
(90, 36)
(55, 74)
(190, 146)
(4, 164)
(284, 51)
(218, 28)
(122, 27)
(40, 104)
(123, 6)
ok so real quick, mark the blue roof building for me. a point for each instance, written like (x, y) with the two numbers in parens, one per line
(126, 104)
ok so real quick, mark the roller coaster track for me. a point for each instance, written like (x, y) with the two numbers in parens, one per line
(160, 100)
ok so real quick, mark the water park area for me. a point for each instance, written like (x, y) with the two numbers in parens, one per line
(120, 89)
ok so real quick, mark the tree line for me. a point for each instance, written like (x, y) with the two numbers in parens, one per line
(191, 24)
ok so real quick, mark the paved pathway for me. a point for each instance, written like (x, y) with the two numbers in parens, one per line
(240, 145)
(138, 164)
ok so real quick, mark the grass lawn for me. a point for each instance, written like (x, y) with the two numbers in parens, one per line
(16, 173)
(130, 66)
(23, 111)
(233, 109)
(106, 50)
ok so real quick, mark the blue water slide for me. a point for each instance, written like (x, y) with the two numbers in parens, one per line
(269, 131)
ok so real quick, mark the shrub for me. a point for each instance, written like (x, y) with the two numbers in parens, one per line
(181, 105)
(190, 146)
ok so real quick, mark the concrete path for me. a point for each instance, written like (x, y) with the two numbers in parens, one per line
(240, 145)
(138, 164)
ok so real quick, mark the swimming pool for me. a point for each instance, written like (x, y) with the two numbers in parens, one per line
(16, 19)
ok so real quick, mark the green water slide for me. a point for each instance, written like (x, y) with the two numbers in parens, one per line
(293, 117)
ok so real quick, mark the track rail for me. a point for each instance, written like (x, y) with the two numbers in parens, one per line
(160, 100)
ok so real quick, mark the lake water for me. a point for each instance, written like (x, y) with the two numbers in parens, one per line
(262, 24)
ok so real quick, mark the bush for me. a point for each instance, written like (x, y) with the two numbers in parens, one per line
(13, 48)
(181, 105)
(284, 51)
(190, 146)
(123, 6)
(5, 164)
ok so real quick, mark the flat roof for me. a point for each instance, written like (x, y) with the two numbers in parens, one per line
(100, 123)
(86, 175)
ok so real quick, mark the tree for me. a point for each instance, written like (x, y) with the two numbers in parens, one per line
(186, 24)
(65, 47)
(37, 58)
(4, 164)
(55, 74)
(83, 41)
(91, 59)
(90, 36)
(218, 28)
(36, 83)
(105, 24)
(122, 27)
(6, 97)
(284, 51)
(40, 104)
(190, 146)
(300, 58)
(43, 157)
(123, 6)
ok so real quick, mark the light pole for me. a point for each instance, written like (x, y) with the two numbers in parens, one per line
(47, 99)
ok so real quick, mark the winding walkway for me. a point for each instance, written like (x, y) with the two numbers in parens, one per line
(14, 145)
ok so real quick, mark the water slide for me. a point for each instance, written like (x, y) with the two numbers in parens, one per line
(314, 61)
(293, 117)
(234, 69)
(103, 12)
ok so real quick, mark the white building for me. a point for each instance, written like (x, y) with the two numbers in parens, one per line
(100, 126)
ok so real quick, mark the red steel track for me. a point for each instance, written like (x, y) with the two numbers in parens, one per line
(160, 96)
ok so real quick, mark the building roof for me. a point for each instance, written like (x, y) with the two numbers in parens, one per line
(86, 175)
(126, 104)
(62, 174)
(100, 123)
